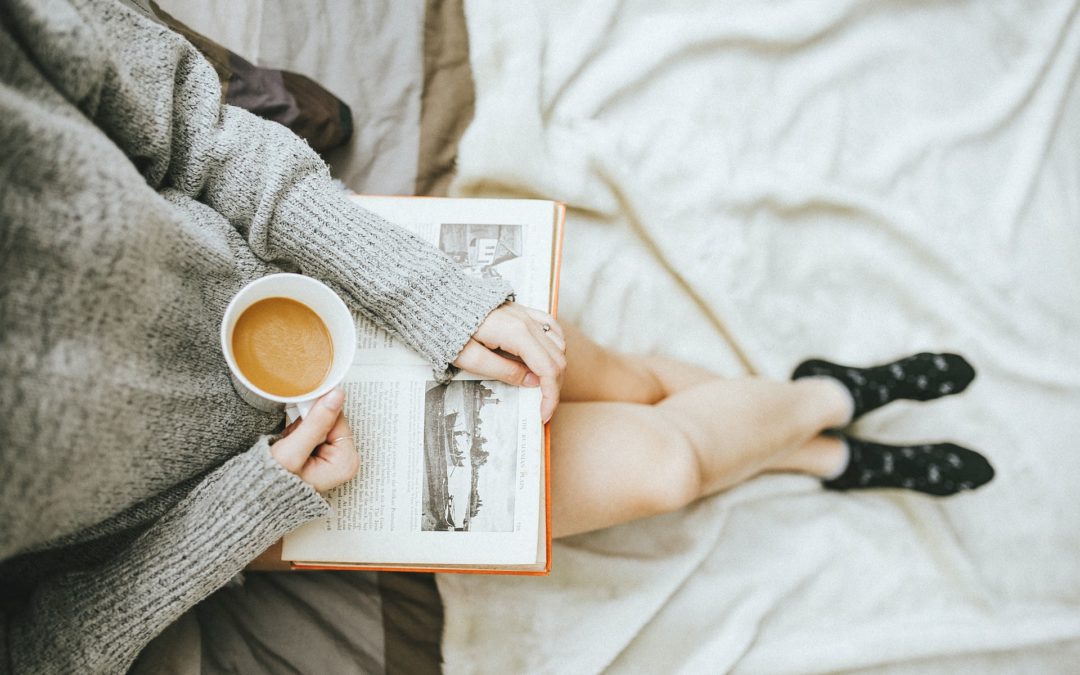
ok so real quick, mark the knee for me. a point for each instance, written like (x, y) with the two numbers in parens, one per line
(675, 478)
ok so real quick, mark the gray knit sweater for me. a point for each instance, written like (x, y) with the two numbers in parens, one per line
(133, 479)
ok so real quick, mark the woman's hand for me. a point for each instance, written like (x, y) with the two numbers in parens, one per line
(319, 447)
(520, 332)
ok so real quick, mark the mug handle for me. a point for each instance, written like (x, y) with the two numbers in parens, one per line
(295, 411)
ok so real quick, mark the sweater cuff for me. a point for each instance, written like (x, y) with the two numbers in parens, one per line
(403, 283)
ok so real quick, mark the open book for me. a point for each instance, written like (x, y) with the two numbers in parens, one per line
(453, 477)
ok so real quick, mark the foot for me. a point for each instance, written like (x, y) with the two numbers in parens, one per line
(939, 469)
(920, 377)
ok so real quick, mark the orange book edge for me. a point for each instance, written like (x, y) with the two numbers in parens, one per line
(560, 222)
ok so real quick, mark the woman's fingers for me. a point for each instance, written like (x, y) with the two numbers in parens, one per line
(548, 362)
(522, 336)
(293, 451)
(476, 358)
(550, 342)
(289, 429)
(519, 331)
(559, 341)
(340, 434)
(544, 319)
(333, 462)
(553, 332)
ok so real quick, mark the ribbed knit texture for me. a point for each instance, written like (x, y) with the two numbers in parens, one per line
(231, 517)
(132, 207)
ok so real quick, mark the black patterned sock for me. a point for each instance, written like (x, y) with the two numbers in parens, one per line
(919, 377)
(940, 469)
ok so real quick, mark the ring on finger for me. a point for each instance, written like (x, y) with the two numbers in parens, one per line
(334, 441)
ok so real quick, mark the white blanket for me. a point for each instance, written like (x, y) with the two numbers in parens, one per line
(755, 183)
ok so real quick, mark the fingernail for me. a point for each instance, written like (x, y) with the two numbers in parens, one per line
(531, 380)
(334, 400)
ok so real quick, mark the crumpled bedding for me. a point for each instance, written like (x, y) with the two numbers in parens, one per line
(756, 183)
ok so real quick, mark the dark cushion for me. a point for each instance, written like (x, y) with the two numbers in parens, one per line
(288, 98)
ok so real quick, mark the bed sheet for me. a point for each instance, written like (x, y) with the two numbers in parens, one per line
(852, 180)
(368, 54)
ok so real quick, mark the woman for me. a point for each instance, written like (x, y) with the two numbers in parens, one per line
(133, 205)
(135, 481)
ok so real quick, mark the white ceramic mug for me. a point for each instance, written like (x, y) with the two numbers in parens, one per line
(321, 300)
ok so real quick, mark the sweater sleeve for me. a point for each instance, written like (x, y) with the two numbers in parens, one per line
(98, 621)
(160, 102)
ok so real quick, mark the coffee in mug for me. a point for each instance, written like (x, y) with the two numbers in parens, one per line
(282, 346)
(287, 340)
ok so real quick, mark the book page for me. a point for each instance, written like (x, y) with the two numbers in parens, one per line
(449, 473)
(507, 238)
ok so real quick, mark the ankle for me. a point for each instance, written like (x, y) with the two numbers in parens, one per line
(835, 406)
(919, 377)
(824, 457)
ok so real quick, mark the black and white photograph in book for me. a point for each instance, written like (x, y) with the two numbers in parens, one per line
(470, 456)
(483, 250)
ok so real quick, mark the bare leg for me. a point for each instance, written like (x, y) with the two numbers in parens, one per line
(616, 461)
(821, 456)
(639, 436)
(599, 374)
